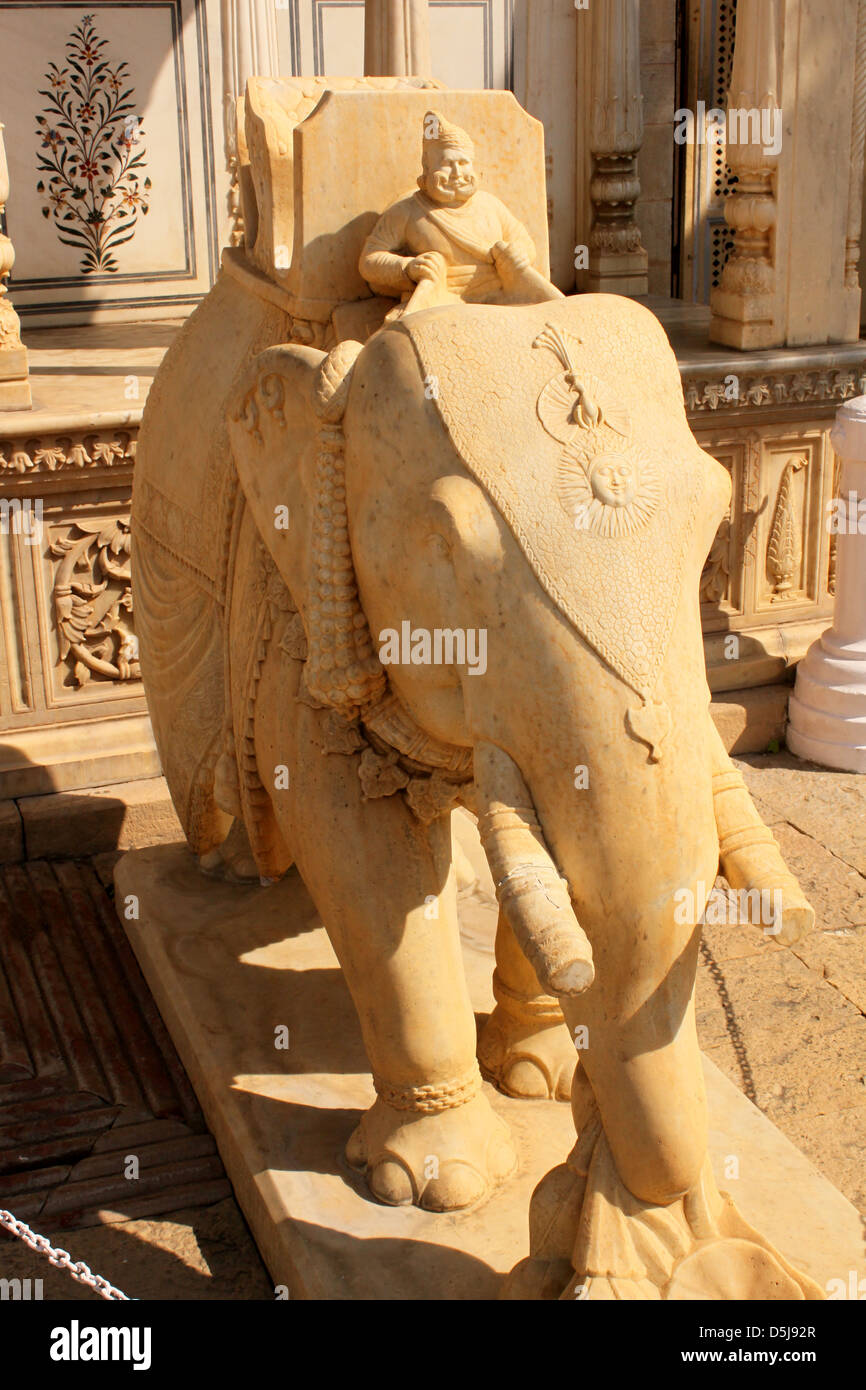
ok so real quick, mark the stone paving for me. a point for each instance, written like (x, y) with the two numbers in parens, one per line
(788, 1025)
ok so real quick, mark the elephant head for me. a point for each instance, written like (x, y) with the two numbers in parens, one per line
(545, 503)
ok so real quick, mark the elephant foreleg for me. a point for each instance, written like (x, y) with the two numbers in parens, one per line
(385, 890)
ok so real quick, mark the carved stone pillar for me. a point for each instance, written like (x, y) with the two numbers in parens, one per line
(396, 38)
(249, 43)
(827, 712)
(743, 305)
(617, 259)
(14, 383)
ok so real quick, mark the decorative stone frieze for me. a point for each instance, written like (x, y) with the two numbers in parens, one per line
(52, 453)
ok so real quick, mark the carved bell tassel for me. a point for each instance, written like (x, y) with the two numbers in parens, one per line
(618, 262)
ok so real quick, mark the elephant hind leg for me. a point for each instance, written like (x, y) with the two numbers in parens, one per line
(233, 860)
(525, 1048)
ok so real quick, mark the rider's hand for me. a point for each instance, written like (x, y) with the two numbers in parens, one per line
(512, 257)
(430, 265)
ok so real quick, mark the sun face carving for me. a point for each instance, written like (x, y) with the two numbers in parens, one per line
(613, 480)
(612, 491)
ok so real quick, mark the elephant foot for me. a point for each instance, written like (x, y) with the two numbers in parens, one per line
(445, 1161)
(526, 1049)
(591, 1239)
(232, 860)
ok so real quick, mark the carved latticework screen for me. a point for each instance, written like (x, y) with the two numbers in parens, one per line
(708, 33)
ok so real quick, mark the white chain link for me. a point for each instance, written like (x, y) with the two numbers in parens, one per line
(61, 1259)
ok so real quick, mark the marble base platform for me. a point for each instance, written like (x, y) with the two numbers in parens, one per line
(229, 964)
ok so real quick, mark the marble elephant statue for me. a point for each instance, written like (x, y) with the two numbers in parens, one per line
(460, 564)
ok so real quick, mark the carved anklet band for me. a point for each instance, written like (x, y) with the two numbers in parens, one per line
(427, 1100)
(543, 1007)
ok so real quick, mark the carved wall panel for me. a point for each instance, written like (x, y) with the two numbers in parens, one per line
(791, 528)
(72, 706)
(721, 581)
(768, 574)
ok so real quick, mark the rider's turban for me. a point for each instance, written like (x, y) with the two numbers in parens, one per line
(440, 134)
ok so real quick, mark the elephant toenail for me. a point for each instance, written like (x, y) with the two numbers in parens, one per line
(390, 1183)
(356, 1148)
(526, 1080)
(458, 1185)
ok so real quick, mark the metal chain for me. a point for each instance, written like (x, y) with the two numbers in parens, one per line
(61, 1259)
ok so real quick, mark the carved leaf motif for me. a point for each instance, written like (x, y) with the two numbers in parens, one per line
(783, 550)
(91, 592)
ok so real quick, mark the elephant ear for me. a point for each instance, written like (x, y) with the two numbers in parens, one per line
(291, 399)
(272, 426)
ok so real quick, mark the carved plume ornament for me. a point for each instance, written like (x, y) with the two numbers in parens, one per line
(606, 484)
(784, 548)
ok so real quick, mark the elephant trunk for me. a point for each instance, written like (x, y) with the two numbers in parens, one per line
(531, 892)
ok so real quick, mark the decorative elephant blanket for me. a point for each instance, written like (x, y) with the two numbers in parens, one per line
(601, 481)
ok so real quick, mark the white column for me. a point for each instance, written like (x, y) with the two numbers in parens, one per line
(617, 259)
(827, 712)
(14, 382)
(396, 38)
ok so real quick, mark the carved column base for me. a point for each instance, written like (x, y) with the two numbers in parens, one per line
(611, 273)
(15, 394)
(743, 321)
(14, 381)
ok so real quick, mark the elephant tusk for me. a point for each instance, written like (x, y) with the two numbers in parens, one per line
(531, 892)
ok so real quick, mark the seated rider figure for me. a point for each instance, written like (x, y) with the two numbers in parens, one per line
(450, 240)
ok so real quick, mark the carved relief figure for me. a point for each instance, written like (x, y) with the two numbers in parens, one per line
(451, 240)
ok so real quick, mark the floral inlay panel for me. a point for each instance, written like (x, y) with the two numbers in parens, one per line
(93, 151)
